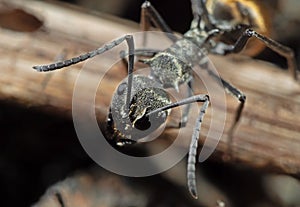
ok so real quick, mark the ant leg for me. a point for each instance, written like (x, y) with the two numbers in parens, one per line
(138, 52)
(275, 46)
(149, 14)
(196, 8)
(83, 57)
(191, 165)
(48, 77)
(242, 99)
(191, 169)
(240, 96)
(59, 198)
(200, 13)
(141, 52)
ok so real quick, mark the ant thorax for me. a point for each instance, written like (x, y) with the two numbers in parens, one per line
(173, 66)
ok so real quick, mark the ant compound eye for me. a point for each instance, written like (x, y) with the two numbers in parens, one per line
(121, 88)
(143, 123)
(147, 100)
(138, 118)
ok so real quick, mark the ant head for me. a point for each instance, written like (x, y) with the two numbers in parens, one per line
(133, 121)
(145, 101)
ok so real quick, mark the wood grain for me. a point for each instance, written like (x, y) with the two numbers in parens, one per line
(268, 135)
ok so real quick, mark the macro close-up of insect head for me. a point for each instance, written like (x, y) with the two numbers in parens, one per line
(150, 103)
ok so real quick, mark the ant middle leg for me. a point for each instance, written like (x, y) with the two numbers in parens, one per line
(141, 52)
(236, 93)
(138, 52)
(149, 14)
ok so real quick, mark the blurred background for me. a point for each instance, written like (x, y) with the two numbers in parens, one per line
(29, 165)
(178, 15)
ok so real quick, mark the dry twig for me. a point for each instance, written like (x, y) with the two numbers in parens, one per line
(268, 135)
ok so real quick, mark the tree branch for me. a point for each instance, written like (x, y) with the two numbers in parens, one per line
(267, 137)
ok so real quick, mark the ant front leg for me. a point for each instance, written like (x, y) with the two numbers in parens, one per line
(48, 77)
(272, 44)
(191, 168)
(191, 165)
(130, 42)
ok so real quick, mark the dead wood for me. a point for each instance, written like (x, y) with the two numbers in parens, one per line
(268, 135)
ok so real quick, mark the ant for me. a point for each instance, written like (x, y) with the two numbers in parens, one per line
(141, 103)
